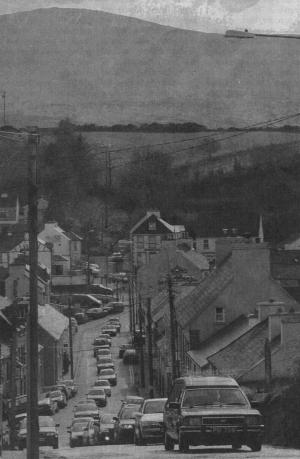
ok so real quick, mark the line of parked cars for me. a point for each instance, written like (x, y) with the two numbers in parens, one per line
(54, 398)
(90, 425)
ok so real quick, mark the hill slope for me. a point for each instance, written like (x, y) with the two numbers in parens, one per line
(104, 68)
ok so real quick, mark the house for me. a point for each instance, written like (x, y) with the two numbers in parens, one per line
(151, 233)
(17, 281)
(53, 335)
(292, 242)
(241, 280)
(64, 243)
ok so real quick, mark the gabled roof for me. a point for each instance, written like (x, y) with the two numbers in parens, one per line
(42, 271)
(155, 214)
(220, 340)
(242, 353)
(292, 238)
(10, 240)
(202, 295)
(52, 321)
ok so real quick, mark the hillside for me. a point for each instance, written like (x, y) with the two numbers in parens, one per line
(104, 68)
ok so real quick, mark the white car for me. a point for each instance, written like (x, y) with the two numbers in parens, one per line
(104, 384)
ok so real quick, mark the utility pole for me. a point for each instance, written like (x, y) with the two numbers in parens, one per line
(71, 338)
(150, 348)
(141, 344)
(172, 328)
(32, 322)
(1, 402)
(4, 107)
(13, 374)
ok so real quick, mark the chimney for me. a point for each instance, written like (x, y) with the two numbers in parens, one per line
(290, 331)
(266, 308)
(252, 320)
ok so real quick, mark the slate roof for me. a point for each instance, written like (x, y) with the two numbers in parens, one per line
(292, 238)
(220, 340)
(72, 236)
(3, 273)
(9, 241)
(202, 296)
(243, 352)
(8, 199)
(52, 321)
(42, 271)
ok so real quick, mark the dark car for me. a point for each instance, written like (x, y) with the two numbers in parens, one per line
(95, 313)
(117, 306)
(84, 432)
(107, 425)
(109, 329)
(48, 434)
(133, 400)
(149, 425)
(124, 424)
(80, 317)
(130, 357)
(123, 348)
(210, 411)
(47, 407)
(100, 343)
(102, 336)
(98, 394)
(59, 397)
(115, 323)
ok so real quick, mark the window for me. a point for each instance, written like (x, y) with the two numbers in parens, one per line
(220, 315)
(205, 244)
(152, 242)
(194, 339)
(58, 270)
(140, 242)
(152, 225)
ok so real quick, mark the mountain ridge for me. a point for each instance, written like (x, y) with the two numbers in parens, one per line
(103, 68)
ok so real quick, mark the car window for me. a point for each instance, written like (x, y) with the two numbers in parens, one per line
(213, 396)
(106, 418)
(96, 392)
(156, 406)
(128, 412)
(85, 407)
(79, 427)
(107, 372)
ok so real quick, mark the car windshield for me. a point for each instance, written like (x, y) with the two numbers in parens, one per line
(96, 392)
(105, 360)
(106, 419)
(154, 406)
(107, 372)
(102, 383)
(79, 427)
(85, 407)
(213, 396)
(128, 412)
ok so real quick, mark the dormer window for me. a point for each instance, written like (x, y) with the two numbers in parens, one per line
(220, 315)
(152, 225)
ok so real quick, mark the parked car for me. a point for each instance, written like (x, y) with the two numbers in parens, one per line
(47, 407)
(85, 301)
(95, 313)
(98, 348)
(100, 343)
(84, 432)
(70, 384)
(107, 425)
(130, 356)
(48, 434)
(59, 397)
(105, 336)
(87, 408)
(81, 317)
(98, 394)
(123, 348)
(110, 375)
(149, 425)
(124, 424)
(109, 329)
(107, 309)
(210, 411)
(103, 353)
(115, 322)
(65, 388)
(104, 362)
(104, 384)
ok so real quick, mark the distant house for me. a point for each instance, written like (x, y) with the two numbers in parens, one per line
(9, 209)
(151, 233)
(292, 242)
(64, 243)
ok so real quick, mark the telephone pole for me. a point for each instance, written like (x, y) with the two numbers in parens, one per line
(13, 388)
(71, 338)
(150, 347)
(32, 321)
(1, 403)
(172, 328)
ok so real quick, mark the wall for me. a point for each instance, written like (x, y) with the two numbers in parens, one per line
(52, 233)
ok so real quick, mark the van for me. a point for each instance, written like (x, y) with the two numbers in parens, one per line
(210, 410)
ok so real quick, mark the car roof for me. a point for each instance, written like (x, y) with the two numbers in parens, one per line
(155, 400)
(207, 381)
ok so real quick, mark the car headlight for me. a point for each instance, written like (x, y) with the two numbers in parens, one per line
(253, 420)
(192, 421)
(127, 426)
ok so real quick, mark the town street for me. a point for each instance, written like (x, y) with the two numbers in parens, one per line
(85, 374)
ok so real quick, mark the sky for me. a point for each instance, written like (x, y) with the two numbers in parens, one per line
(277, 16)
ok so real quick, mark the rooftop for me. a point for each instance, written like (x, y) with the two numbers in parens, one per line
(195, 381)
(52, 321)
